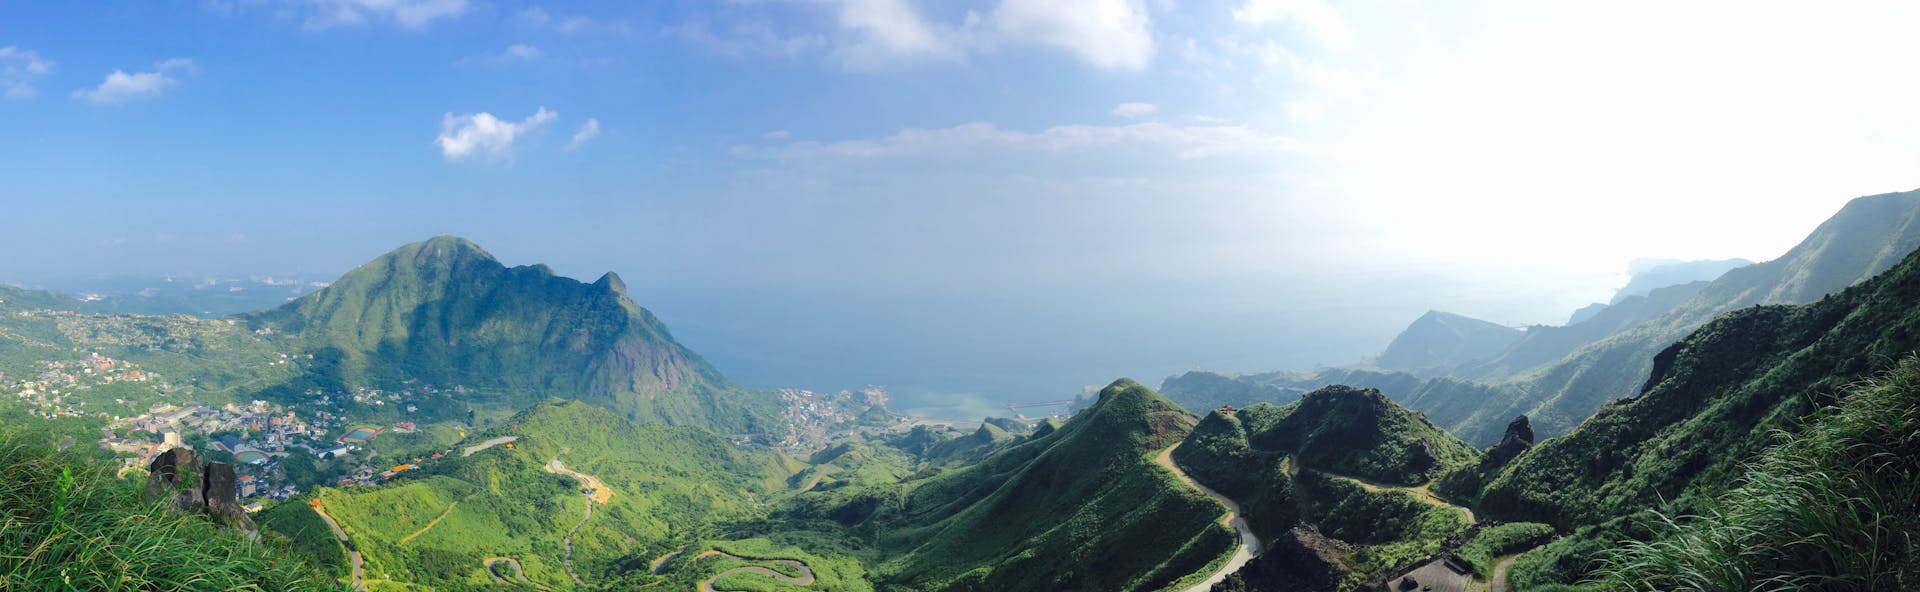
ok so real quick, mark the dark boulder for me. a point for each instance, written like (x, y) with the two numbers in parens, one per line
(1301, 559)
(178, 476)
(187, 482)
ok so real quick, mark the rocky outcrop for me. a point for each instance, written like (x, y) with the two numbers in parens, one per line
(1518, 439)
(1301, 559)
(183, 478)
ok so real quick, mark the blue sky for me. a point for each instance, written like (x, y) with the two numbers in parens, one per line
(985, 196)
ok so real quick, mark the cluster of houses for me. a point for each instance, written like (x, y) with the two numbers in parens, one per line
(812, 416)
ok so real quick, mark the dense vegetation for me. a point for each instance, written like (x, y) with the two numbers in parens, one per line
(1834, 506)
(1036, 515)
(673, 486)
(1865, 238)
(67, 523)
(446, 312)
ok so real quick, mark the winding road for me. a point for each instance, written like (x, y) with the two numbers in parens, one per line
(1500, 573)
(1422, 491)
(436, 520)
(487, 444)
(353, 552)
(662, 561)
(569, 541)
(805, 579)
(1249, 544)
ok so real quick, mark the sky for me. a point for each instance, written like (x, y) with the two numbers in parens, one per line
(983, 200)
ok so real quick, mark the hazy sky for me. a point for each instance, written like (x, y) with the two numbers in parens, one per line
(1009, 198)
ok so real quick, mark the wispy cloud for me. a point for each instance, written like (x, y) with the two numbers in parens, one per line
(20, 69)
(1316, 17)
(518, 53)
(878, 34)
(120, 87)
(588, 131)
(1178, 141)
(410, 14)
(1134, 110)
(537, 17)
(481, 135)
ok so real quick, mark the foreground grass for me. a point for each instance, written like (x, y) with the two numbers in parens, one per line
(1834, 507)
(66, 523)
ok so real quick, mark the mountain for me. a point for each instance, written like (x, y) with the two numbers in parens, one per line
(1649, 275)
(17, 298)
(1349, 467)
(446, 312)
(1079, 507)
(1444, 340)
(1864, 238)
(1715, 400)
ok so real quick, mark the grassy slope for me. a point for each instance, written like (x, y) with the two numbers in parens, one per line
(1716, 400)
(672, 486)
(1833, 507)
(1866, 237)
(67, 523)
(1081, 507)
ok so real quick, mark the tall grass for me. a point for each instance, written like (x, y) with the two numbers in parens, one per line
(1834, 507)
(66, 523)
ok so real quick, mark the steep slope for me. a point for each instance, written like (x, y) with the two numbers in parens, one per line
(1863, 239)
(656, 487)
(1815, 508)
(1716, 399)
(1440, 340)
(446, 312)
(1080, 507)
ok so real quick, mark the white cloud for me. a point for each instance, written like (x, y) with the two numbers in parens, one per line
(1134, 110)
(120, 87)
(753, 37)
(19, 70)
(1110, 34)
(588, 131)
(411, 14)
(886, 31)
(483, 135)
(1314, 16)
(777, 135)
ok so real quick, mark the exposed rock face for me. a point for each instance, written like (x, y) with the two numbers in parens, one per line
(222, 496)
(1302, 559)
(190, 484)
(1519, 438)
(178, 475)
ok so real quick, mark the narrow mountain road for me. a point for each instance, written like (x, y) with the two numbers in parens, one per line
(601, 493)
(490, 562)
(436, 520)
(1500, 572)
(1249, 544)
(569, 540)
(487, 444)
(353, 552)
(1423, 491)
(661, 561)
(806, 573)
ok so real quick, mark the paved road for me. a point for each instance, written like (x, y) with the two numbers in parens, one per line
(1500, 572)
(805, 579)
(657, 563)
(352, 552)
(487, 444)
(569, 540)
(1249, 544)
(1436, 575)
